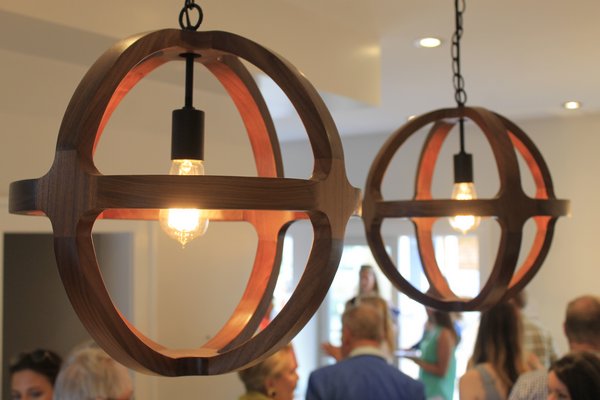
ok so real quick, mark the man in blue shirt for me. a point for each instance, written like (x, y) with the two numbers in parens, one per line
(364, 373)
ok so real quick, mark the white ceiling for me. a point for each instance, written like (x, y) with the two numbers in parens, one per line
(519, 58)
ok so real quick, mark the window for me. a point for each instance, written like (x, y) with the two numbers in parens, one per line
(285, 281)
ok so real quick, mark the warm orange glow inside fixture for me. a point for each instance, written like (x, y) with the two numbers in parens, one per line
(511, 206)
(74, 193)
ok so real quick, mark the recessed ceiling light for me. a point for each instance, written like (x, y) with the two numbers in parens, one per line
(571, 105)
(428, 42)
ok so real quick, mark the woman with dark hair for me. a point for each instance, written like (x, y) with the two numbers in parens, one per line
(32, 375)
(576, 376)
(437, 361)
(497, 359)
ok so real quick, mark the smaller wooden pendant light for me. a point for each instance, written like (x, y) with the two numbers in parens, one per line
(511, 206)
(73, 194)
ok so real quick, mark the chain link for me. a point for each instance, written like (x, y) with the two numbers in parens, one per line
(185, 12)
(457, 79)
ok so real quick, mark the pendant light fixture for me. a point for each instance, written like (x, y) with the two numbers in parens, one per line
(511, 207)
(74, 193)
(187, 147)
(464, 185)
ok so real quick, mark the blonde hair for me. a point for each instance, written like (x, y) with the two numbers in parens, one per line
(363, 321)
(389, 330)
(91, 373)
(254, 378)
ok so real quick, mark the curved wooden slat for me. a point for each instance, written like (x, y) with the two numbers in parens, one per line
(428, 158)
(255, 114)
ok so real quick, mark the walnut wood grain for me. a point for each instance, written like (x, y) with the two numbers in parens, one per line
(511, 207)
(73, 194)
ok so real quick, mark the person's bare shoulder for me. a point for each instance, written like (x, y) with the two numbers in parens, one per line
(470, 386)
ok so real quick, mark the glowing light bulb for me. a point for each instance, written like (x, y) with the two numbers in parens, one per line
(184, 224)
(464, 223)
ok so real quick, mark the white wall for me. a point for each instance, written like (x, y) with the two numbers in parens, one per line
(570, 148)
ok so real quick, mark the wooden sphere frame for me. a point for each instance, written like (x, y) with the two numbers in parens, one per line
(511, 207)
(73, 194)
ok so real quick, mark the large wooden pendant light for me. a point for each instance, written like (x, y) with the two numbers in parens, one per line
(511, 206)
(74, 193)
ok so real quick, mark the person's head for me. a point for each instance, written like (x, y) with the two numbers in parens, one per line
(582, 323)
(274, 377)
(389, 331)
(442, 319)
(499, 342)
(362, 324)
(32, 375)
(367, 280)
(90, 373)
(576, 376)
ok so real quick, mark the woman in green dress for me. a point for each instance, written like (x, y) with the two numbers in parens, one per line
(437, 361)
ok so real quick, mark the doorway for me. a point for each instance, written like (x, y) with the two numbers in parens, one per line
(36, 310)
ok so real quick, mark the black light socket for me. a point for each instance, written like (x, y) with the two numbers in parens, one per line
(463, 167)
(187, 134)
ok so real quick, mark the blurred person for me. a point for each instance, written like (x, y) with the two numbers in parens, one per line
(536, 339)
(32, 375)
(367, 281)
(90, 373)
(368, 290)
(437, 360)
(389, 329)
(582, 328)
(363, 373)
(367, 284)
(576, 376)
(273, 378)
(498, 358)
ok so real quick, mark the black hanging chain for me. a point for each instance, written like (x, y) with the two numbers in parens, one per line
(460, 95)
(188, 6)
(187, 25)
(459, 82)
